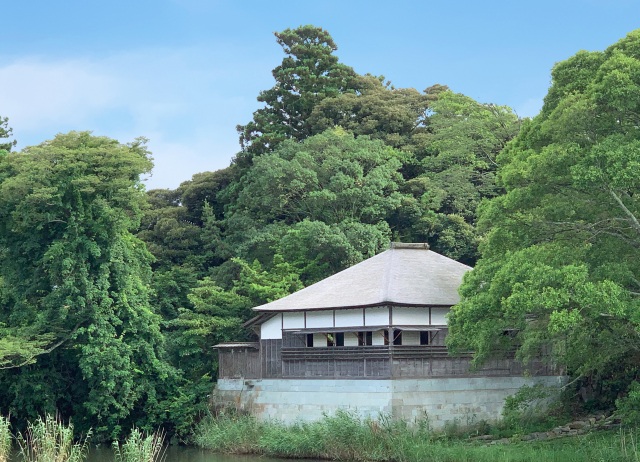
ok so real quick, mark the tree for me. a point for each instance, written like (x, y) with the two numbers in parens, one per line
(74, 270)
(457, 171)
(329, 177)
(561, 259)
(332, 181)
(6, 132)
(398, 116)
(309, 73)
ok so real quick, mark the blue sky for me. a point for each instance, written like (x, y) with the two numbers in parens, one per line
(184, 73)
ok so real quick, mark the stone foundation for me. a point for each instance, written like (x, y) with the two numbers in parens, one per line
(440, 400)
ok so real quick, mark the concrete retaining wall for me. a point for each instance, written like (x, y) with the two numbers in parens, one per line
(441, 400)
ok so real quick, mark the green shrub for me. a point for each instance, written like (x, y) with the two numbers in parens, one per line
(49, 440)
(139, 447)
(228, 433)
(5, 439)
(629, 406)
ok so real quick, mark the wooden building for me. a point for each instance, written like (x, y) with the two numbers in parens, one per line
(382, 321)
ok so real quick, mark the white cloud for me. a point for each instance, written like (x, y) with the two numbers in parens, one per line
(37, 94)
(186, 101)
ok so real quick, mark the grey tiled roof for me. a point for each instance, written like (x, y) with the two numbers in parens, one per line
(406, 274)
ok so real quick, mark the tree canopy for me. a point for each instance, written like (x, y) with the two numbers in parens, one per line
(74, 272)
(309, 73)
(561, 259)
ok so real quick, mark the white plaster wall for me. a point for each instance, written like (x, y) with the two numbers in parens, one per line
(377, 316)
(377, 338)
(350, 338)
(410, 337)
(439, 400)
(409, 316)
(349, 318)
(438, 316)
(319, 318)
(294, 320)
(272, 328)
(319, 340)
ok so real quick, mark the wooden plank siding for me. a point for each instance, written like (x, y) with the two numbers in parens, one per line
(236, 363)
(290, 358)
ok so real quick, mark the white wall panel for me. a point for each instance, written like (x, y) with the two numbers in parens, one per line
(271, 329)
(350, 338)
(319, 340)
(378, 338)
(293, 320)
(349, 318)
(410, 316)
(410, 337)
(438, 316)
(378, 316)
(319, 318)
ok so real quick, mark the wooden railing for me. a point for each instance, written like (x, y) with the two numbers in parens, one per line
(362, 352)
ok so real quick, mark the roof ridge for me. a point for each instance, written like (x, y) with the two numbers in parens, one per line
(409, 245)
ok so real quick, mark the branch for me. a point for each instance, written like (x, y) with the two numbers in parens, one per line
(634, 220)
(43, 352)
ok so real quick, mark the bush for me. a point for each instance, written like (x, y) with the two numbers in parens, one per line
(139, 447)
(629, 406)
(5, 439)
(49, 440)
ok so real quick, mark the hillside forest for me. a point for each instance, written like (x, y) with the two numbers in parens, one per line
(111, 296)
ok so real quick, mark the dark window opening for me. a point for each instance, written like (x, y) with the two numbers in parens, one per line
(397, 337)
(365, 338)
(339, 338)
(424, 337)
(385, 334)
(309, 340)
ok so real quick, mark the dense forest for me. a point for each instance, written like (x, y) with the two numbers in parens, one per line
(111, 297)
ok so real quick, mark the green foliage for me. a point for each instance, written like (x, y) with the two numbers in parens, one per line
(330, 177)
(332, 184)
(526, 403)
(309, 73)
(5, 132)
(318, 250)
(50, 440)
(457, 171)
(629, 406)
(76, 273)
(397, 116)
(560, 263)
(347, 437)
(139, 447)
(5, 439)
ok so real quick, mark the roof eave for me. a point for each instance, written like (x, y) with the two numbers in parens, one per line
(352, 307)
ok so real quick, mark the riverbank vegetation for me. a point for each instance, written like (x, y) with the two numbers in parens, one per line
(348, 438)
(50, 440)
(111, 296)
(5, 439)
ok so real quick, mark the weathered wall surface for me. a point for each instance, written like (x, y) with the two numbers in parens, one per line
(440, 400)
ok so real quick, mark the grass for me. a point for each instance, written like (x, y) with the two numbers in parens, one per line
(5, 439)
(139, 447)
(346, 437)
(49, 440)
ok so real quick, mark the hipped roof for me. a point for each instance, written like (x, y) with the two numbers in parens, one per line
(405, 275)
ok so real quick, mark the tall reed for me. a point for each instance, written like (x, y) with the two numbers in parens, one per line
(5, 439)
(49, 440)
(139, 447)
